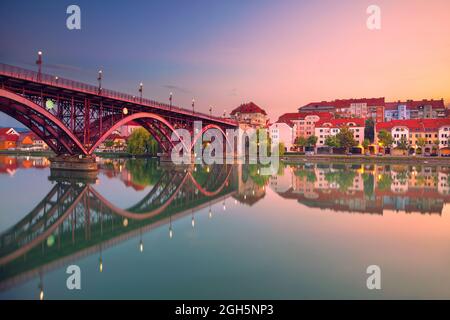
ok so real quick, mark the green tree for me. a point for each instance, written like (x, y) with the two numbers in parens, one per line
(311, 141)
(300, 141)
(109, 144)
(385, 138)
(420, 143)
(332, 141)
(366, 144)
(140, 142)
(403, 144)
(281, 149)
(436, 145)
(345, 138)
(369, 130)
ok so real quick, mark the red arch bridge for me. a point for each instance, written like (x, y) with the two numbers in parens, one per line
(73, 118)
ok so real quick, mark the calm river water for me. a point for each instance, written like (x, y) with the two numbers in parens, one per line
(144, 230)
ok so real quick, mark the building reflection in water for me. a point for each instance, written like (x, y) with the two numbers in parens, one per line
(366, 188)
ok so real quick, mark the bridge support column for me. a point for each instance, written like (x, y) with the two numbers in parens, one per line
(74, 163)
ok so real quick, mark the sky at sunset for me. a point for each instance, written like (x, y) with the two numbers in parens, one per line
(279, 54)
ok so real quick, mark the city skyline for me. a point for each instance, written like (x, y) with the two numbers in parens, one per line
(280, 55)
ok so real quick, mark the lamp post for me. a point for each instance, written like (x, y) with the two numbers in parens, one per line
(39, 63)
(193, 105)
(210, 112)
(100, 73)
(141, 87)
(170, 100)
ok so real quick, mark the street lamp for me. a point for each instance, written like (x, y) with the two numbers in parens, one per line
(39, 63)
(170, 100)
(193, 105)
(141, 86)
(210, 112)
(100, 73)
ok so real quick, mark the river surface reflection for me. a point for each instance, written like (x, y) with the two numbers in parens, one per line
(147, 230)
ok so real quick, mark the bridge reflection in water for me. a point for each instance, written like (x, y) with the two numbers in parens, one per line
(74, 219)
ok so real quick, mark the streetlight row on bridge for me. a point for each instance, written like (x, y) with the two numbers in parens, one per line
(100, 77)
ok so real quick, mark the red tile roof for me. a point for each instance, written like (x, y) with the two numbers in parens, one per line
(133, 123)
(4, 131)
(345, 103)
(288, 118)
(412, 104)
(336, 123)
(248, 108)
(414, 124)
(5, 136)
(115, 136)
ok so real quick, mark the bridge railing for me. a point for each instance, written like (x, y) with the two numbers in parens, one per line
(25, 74)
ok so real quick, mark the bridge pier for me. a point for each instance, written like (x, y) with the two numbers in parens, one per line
(74, 163)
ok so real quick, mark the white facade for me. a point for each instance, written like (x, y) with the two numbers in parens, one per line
(444, 136)
(282, 132)
(398, 133)
(327, 129)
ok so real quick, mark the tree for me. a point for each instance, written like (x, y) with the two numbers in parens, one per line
(385, 138)
(369, 130)
(140, 142)
(436, 143)
(109, 144)
(366, 144)
(420, 143)
(311, 141)
(281, 149)
(402, 144)
(345, 138)
(300, 141)
(332, 141)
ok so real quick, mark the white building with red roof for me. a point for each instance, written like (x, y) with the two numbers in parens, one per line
(128, 129)
(250, 115)
(330, 127)
(282, 132)
(435, 133)
(289, 126)
(8, 138)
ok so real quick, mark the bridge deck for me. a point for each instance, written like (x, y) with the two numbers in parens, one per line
(84, 88)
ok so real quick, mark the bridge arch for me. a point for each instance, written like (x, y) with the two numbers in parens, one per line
(43, 123)
(206, 128)
(140, 117)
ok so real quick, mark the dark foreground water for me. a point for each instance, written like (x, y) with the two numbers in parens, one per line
(146, 231)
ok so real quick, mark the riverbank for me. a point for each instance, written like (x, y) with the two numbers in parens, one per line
(47, 153)
(365, 159)
(50, 153)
